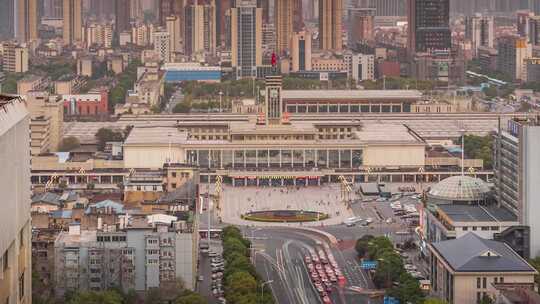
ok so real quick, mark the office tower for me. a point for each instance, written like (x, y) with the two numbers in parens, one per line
(52, 8)
(301, 51)
(309, 13)
(72, 11)
(360, 25)
(162, 45)
(222, 9)
(142, 34)
(330, 24)
(7, 19)
(173, 28)
(512, 53)
(102, 9)
(283, 15)
(533, 34)
(15, 235)
(480, 31)
(246, 38)
(385, 7)
(15, 58)
(429, 27)
(517, 173)
(136, 10)
(27, 20)
(199, 29)
(122, 15)
(168, 8)
(298, 21)
(523, 18)
(265, 6)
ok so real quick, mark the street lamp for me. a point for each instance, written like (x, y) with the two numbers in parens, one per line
(220, 100)
(262, 288)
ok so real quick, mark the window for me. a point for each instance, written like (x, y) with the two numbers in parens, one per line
(474, 228)
(485, 228)
(478, 297)
(173, 174)
(484, 282)
(494, 228)
(501, 279)
(495, 280)
(21, 286)
(477, 282)
(465, 228)
(173, 185)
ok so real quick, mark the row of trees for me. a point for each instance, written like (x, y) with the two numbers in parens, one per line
(390, 273)
(241, 282)
(125, 82)
(479, 147)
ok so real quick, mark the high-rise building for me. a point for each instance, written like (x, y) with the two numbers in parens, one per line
(7, 19)
(283, 15)
(199, 29)
(27, 20)
(385, 7)
(52, 8)
(142, 34)
(512, 53)
(98, 34)
(15, 235)
(122, 15)
(480, 31)
(301, 51)
(72, 11)
(330, 24)
(222, 8)
(162, 45)
(522, 23)
(429, 25)
(517, 173)
(15, 58)
(533, 34)
(265, 6)
(168, 8)
(298, 21)
(246, 38)
(360, 23)
(173, 27)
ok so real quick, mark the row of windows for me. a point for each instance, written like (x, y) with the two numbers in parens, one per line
(484, 228)
(114, 238)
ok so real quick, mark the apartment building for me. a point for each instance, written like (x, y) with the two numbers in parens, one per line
(15, 227)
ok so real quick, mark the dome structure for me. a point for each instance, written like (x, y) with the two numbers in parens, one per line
(460, 188)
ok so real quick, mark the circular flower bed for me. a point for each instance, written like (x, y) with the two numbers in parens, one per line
(285, 216)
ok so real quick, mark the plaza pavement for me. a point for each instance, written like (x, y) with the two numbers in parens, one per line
(240, 200)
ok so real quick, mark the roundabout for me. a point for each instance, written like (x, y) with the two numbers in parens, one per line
(285, 216)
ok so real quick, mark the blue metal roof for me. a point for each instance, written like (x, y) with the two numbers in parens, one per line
(117, 207)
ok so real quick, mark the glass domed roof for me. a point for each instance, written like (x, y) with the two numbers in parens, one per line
(460, 188)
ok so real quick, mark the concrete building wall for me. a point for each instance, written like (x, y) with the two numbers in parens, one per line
(531, 178)
(152, 157)
(465, 286)
(387, 156)
(15, 234)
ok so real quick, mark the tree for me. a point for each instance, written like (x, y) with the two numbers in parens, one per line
(241, 287)
(190, 298)
(362, 245)
(434, 301)
(408, 290)
(486, 300)
(389, 269)
(490, 92)
(106, 297)
(480, 147)
(377, 246)
(233, 245)
(181, 107)
(105, 135)
(69, 143)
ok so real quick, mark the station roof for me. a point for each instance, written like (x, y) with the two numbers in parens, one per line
(351, 94)
(386, 133)
(155, 135)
